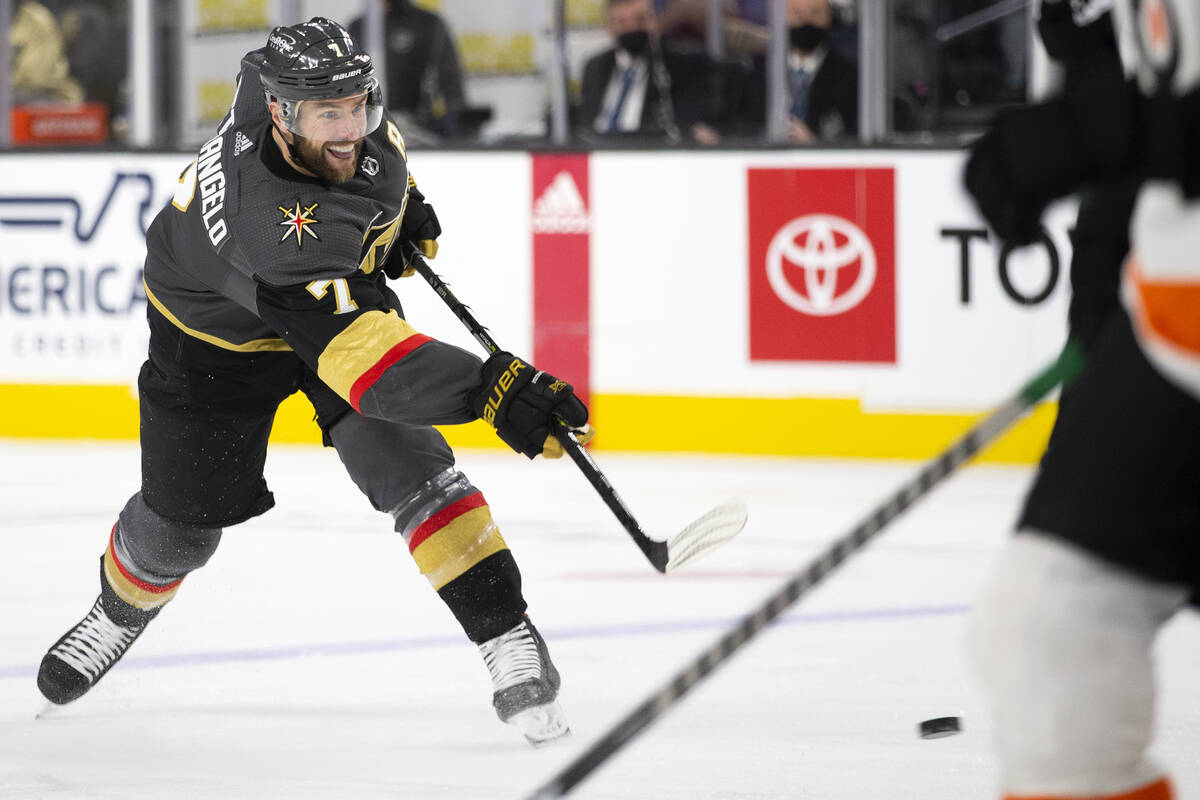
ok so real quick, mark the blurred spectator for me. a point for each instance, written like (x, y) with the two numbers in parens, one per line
(913, 63)
(982, 66)
(744, 29)
(94, 38)
(740, 35)
(822, 85)
(645, 86)
(38, 70)
(424, 81)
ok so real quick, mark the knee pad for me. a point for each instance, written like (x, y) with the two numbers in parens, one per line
(148, 555)
(1061, 644)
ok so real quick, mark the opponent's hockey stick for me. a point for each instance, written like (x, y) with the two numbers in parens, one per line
(1066, 367)
(705, 534)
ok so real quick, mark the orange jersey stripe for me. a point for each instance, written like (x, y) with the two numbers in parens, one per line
(1170, 309)
(1159, 790)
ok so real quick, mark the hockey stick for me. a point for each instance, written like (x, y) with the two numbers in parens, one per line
(1068, 364)
(705, 534)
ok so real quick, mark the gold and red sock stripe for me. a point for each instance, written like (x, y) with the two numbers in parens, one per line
(455, 539)
(133, 590)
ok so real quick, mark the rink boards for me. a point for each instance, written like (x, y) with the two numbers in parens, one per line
(833, 303)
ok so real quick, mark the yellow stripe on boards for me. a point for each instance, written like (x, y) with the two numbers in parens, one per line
(798, 426)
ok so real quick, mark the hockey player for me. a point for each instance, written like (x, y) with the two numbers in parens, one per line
(266, 276)
(1012, 192)
(1108, 545)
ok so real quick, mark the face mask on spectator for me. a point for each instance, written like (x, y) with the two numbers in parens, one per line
(807, 37)
(634, 42)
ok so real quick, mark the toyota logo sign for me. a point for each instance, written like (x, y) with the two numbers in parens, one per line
(821, 264)
(821, 245)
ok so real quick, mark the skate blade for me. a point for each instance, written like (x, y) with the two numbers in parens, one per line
(543, 724)
(48, 710)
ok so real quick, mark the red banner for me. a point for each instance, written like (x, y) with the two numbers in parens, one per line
(84, 123)
(822, 265)
(561, 317)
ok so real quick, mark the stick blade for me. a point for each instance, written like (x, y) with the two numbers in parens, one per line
(706, 534)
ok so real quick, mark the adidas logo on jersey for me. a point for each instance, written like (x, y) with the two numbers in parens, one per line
(241, 143)
(560, 209)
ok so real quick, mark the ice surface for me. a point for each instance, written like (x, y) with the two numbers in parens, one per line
(309, 659)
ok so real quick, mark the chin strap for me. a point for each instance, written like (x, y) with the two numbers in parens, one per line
(292, 152)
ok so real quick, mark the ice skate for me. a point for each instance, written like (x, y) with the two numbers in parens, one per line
(526, 683)
(90, 648)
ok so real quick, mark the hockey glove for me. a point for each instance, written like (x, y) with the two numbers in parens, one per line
(1036, 154)
(1014, 213)
(524, 404)
(419, 226)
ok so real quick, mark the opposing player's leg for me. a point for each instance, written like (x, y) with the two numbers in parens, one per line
(204, 436)
(408, 472)
(1061, 643)
(1061, 636)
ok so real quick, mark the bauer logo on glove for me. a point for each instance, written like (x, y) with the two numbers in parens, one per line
(501, 386)
(524, 405)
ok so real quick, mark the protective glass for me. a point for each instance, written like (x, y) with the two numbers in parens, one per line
(340, 119)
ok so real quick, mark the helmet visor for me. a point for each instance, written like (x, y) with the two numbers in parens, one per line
(336, 119)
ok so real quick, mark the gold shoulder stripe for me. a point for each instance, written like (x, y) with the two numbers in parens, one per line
(252, 346)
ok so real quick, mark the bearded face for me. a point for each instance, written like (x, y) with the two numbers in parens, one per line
(327, 135)
(333, 162)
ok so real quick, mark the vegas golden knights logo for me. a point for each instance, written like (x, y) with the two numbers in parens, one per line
(297, 222)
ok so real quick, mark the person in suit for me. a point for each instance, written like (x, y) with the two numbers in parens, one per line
(643, 86)
(822, 84)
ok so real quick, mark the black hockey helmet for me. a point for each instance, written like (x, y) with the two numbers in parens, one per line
(318, 60)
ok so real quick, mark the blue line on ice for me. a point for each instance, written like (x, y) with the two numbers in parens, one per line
(425, 642)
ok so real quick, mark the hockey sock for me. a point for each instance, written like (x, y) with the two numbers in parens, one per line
(460, 550)
(486, 599)
(130, 594)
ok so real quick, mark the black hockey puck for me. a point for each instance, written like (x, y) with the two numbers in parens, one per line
(939, 727)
